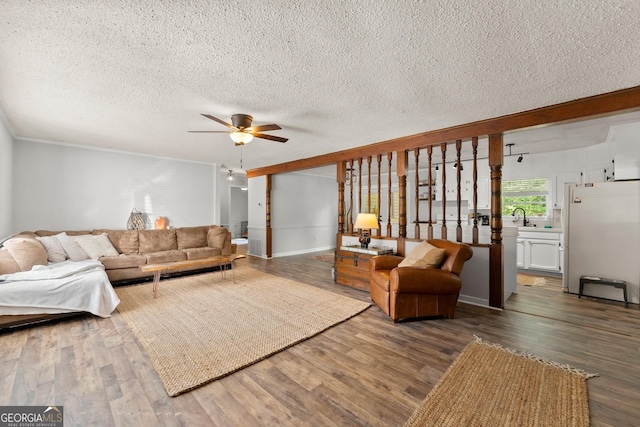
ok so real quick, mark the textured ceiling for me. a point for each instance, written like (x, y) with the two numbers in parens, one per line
(135, 75)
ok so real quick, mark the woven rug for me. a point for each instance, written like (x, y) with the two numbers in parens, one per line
(203, 327)
(489, 385)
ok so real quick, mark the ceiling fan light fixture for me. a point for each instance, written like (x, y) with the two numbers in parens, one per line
(240, 137)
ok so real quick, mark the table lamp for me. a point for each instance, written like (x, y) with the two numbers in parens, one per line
(365, 222)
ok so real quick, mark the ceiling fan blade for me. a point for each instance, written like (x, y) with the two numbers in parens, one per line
(262, 128)
(222, 122)
(208, 131)
(271, 137)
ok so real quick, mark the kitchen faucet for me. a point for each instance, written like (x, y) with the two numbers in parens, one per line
(515, 219)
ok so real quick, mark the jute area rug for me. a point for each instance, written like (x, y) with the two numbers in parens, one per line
(203, 327)
(489, 385)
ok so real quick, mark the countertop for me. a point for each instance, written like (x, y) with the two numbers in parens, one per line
(541, 229)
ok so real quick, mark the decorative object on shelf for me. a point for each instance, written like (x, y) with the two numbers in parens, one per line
(136, 220)
(365, 222)
(161, 223)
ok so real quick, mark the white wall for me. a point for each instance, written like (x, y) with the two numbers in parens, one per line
(304, 213)
(6, 179)
(238, 209)
(62, 187)
(550, 164)
(257, 216)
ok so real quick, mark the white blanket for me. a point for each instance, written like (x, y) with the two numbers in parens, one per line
(58, 288)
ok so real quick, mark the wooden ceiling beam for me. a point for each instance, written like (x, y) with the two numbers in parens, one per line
(607, 103)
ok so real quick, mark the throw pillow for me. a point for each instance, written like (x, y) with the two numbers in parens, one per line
(125, 241)
(27, 252)
(8, 265)
(96, 246)
(73, 250)
(192, 237)
(55, 252)
(423, 255)
(157, 240)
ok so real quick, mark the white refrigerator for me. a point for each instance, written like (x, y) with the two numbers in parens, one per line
(601, 224)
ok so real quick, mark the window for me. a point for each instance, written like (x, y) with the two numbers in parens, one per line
(374, 203)
(529, 194)
(395, 206)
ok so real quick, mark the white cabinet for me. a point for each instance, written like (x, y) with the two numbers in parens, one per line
(520, 253)
(558, 186)
(542, 255)
(484, 194)
(451, 188)
(600, 174)
(539, 251)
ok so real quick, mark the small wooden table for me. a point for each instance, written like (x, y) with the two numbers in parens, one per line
(220, 260)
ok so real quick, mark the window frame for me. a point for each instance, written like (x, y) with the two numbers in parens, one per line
(547, 193)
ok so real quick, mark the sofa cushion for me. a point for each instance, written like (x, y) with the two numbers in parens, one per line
(216, 236)
(26, 252)
(192, 237)
(8, 265)
(96, 245)
(55, 251)
(123, 261)
(125, 241)
(157, 240)
(198, 253)
(165, 256)
(423, 255)
(72, 249)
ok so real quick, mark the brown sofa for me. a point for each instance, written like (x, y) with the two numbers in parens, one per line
(408, 292)
(139, 247)
(134, 248)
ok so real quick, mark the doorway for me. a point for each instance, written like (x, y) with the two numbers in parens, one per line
(238, 214)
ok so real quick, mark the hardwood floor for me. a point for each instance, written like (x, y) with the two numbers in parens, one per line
(365, 371)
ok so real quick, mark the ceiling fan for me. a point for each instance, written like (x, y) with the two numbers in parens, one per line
(241, 130)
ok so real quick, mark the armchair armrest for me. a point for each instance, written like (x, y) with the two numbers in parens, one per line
(384, 262)
(424, 280)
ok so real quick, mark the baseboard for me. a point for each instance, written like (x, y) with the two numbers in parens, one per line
(304, 251)
(474, 301)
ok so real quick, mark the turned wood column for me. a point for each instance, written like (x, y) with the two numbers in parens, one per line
(416, 230)
(402, 166)
(369, 184)
(341, 177)
(458, 190)
(379, 230)
(351, 174)
(443, 151)
(389, 158)
(474, 145)
(268, 230)
(496, 255)
(431, 193)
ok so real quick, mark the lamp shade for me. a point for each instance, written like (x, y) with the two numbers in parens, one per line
(366, 221)
(241, 137)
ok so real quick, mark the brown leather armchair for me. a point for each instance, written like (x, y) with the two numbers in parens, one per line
(408, 292)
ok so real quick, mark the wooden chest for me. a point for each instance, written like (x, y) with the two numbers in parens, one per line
(352, 266)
